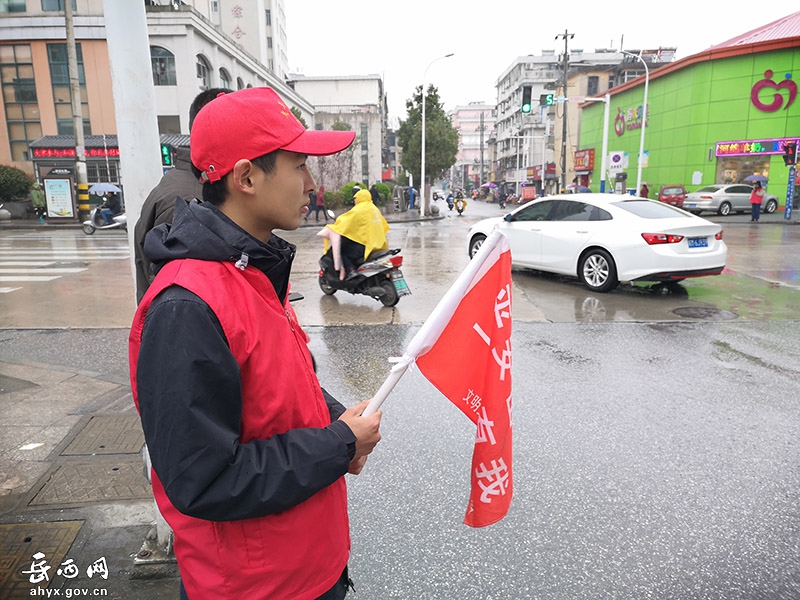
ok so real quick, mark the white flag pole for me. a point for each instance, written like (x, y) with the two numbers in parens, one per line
(434, 325)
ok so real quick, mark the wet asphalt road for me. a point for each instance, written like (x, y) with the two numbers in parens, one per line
(654, 458)
(651, 461)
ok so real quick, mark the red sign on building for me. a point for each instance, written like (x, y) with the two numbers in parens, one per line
(584, 160)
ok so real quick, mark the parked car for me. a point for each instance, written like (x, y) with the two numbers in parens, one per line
(724, 199)
(672, 194)
(603, 239)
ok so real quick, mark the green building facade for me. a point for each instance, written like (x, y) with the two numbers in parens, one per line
(714, 117)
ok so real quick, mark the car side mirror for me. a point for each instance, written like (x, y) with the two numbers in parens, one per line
(509, 217)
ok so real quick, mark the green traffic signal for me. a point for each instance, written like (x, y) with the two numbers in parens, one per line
(526, 108)
(166, 155)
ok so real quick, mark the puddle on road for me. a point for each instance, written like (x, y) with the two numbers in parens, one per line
(748, 297)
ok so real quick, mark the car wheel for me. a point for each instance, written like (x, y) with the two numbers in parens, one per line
(326, 289)
(476, 244)
(770, 207)
(597, 271)
(390, 296)
(724, 209)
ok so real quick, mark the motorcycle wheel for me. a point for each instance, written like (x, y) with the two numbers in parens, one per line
(390, 296)
(87, 229)
(326, 289)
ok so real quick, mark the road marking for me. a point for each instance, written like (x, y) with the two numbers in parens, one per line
(26, 263)
(28, 278)
(55, 271)
(5, 290)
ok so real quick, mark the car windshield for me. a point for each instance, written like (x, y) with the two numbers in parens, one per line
(672, 191)
(651, 210)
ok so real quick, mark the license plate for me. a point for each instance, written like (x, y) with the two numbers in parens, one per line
(691, 205)
(400, 283)
(698, 242)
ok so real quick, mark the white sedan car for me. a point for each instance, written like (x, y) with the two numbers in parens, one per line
(604, 239)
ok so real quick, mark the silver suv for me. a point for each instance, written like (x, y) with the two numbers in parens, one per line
(724, 199)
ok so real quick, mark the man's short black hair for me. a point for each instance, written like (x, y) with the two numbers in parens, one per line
(217, 192)
(201, 100)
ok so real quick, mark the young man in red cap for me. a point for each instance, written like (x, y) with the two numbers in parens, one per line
(248, 451)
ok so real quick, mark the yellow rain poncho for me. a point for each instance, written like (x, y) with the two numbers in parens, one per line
(364, 224)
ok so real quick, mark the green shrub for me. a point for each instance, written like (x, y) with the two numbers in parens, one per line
(14, 183)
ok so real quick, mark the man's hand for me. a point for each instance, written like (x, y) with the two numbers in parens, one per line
(366, 430)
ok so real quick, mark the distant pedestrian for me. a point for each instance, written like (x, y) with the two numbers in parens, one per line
(38, 202)
(756, 197)
(644, 192)
(317, 204)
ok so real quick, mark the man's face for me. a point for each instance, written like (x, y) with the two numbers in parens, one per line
(282, 196)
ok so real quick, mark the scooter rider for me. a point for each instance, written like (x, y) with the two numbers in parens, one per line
(356, 234)
(111, 208)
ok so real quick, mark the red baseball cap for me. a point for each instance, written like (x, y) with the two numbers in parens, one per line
(250, 123)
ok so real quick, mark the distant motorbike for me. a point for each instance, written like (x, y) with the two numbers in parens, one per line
(379, 277)
(450, 203)
(96, 221)
(461, 204)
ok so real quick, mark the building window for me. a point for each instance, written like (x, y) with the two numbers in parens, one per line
(9, 6)
(224, 79)
(203, 72)
(19, 98)
(239, 83)
(269, 17)
(62, 95)
(162, 63)
(594, 85)
(269, 45)
(55, 5)
(98, 171)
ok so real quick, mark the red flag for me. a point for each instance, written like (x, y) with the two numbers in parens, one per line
(470, 363)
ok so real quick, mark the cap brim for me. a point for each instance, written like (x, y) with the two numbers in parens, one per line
(317, 142)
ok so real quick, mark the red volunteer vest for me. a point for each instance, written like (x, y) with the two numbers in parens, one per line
(297, 554)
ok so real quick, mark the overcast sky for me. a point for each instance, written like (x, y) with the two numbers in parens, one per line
(398, 40)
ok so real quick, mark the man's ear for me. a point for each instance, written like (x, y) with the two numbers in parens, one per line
(241, 176)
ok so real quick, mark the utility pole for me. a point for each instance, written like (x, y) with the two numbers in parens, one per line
(77, 115)
(480, 178)
(567, 36)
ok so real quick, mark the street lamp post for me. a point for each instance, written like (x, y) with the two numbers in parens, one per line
(644, 118)
(424, 192)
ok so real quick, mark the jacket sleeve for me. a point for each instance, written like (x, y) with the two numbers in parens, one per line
(190, 403)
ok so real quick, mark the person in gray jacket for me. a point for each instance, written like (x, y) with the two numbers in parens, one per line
(159, 206)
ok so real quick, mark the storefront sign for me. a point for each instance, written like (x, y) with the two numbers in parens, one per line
(752, 147)
(630, 119)
(70, 152)
(550, 171)
(787, 85)
(584, 160)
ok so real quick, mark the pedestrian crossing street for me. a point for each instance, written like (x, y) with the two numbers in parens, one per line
(41, 257)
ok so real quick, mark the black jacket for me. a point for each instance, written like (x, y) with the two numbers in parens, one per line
(203, 418)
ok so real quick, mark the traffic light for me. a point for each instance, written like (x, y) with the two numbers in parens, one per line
(526, 99)
(166, 156)
(790, 153)
(547, 99)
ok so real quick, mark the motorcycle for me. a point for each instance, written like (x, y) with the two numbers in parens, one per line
(379, 276)
(450, 201)
(461, 204)
(96, 221)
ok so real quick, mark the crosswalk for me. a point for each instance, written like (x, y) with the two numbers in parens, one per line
(40, 257)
